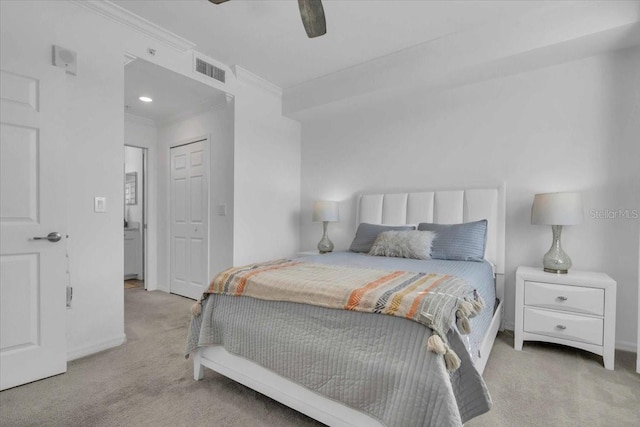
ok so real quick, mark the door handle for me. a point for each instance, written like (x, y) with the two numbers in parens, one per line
(52, 237)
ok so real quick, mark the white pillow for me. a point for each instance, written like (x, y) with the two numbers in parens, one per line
(404, 244)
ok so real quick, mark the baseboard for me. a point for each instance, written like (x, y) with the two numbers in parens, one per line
(96, 347)
(626, 346)
(508, 325)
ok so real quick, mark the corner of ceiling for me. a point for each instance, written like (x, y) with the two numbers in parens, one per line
(558, 35)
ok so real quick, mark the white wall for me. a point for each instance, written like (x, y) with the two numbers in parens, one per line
(266, 174)
(217, 124)
(570, 127)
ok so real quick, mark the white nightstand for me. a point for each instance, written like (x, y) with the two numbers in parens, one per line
(577, 309)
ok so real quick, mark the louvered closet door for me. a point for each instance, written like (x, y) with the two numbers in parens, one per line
(189, 219)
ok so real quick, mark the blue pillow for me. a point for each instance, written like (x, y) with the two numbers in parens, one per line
(458, 242)
(367, 233)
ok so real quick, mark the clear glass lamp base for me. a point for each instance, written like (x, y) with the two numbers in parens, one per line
(325, 245)
(556, 260)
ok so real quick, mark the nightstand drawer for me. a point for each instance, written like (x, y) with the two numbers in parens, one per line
(568, 298)
(562, 325)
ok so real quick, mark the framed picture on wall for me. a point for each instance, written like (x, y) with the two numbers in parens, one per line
(130, 188)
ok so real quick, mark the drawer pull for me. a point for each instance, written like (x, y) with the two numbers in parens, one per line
(561, 327)
(561, 298)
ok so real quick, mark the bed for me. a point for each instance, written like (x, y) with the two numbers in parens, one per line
(346, 368)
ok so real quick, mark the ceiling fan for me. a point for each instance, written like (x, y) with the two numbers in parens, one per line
(312, 14)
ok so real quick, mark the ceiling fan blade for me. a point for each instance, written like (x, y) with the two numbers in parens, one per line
(218, 1)
(312, 14)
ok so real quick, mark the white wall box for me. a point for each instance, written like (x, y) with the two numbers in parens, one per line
(577, 309)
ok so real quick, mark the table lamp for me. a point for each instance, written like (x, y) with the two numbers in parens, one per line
(325, 211)
(556, 210)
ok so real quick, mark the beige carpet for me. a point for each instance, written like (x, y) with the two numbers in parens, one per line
(147, 382)
(553, 385)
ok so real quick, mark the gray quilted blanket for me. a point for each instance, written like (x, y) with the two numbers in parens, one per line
(373, 363)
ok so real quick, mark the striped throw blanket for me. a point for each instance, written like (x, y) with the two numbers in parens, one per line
(434, 300)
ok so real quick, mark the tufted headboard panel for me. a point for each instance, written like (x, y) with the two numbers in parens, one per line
(442, 207)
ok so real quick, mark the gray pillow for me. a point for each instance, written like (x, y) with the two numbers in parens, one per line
(403, 244)
(459, 242)
(367, 233)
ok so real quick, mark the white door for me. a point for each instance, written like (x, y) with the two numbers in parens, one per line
(189, 219)
(32, 181)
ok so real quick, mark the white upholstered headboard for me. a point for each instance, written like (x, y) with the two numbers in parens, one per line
(442, 207)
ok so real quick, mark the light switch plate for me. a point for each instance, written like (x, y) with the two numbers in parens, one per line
(99, 204)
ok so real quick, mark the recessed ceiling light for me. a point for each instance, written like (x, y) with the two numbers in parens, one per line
(145, 99)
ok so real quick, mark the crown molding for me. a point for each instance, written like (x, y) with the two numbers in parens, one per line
(246, 76)
(132, 118)
(132, 21)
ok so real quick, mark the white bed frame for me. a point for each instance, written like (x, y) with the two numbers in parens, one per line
(442, 207)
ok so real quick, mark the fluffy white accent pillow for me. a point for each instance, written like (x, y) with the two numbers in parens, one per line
(404, 244)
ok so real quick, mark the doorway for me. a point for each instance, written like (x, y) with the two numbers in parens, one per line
(176, 110)
(135, 217)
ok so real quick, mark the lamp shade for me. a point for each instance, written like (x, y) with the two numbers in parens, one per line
(557, 209)
(324, 210)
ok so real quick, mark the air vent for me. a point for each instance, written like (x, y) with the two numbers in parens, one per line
(209, 70)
